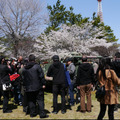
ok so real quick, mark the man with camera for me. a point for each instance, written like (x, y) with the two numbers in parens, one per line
(5, 83)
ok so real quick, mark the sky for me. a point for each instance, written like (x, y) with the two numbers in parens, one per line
(110, 8)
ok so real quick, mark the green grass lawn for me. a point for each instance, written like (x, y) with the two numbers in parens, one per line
(70, 114)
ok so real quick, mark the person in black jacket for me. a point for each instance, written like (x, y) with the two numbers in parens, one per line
(85, 78)
(115, 65)
(34, 83)
(56, 70)
(5, 79)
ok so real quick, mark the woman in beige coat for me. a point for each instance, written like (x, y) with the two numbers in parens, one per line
(108, 77)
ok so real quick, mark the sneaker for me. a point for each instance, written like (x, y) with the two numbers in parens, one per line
(71, 104)
(45, 116)
(54, 112)
(88, 110)
(7, 111)
(83, 111)
(63, 111)
(33, 115)
(20, 103)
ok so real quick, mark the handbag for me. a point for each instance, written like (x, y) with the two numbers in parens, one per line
(6, 86)
(100, 92)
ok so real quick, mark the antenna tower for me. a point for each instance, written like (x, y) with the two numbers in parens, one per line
(100, 13)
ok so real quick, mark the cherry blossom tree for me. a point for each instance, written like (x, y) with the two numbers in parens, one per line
(69, 39)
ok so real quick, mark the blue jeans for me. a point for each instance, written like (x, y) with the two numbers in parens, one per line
(17, 94)
(70, 90)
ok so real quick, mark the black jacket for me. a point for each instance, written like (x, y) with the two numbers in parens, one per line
(116, 67)
(4, 74)
(57, 71)
(33, 77)
(85, 74)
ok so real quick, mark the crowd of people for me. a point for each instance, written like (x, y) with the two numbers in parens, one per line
(25, 81)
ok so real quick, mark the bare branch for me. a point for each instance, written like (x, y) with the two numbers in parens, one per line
(20, 18)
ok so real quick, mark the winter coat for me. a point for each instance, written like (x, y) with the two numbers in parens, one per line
(4, 74)
(111, 96)
(57, 71)
(116, 67)
(71, 69)
(85, 74)
(33, 77)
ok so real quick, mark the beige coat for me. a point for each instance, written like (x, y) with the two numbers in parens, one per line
(111, 96)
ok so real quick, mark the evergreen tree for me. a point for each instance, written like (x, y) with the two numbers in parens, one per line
(110, 37)
(59, 15)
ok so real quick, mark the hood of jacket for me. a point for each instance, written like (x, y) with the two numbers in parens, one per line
(30, 65)
(85, 66)
(56, 64)
(116, 65)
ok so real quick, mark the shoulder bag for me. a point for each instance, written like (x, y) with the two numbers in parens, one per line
(100, 92)
(6, 86)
